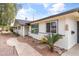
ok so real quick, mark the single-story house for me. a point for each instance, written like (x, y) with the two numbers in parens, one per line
(65, 23)
(20, 27)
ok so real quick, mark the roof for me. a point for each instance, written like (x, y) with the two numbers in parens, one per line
(63, 13)
(22, 22)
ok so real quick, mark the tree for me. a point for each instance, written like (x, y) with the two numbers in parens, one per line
(8, 13)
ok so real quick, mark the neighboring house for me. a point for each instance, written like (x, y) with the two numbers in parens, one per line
(20, 28)
(65, 23)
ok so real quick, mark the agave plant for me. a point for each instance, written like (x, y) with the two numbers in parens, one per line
(52, 39)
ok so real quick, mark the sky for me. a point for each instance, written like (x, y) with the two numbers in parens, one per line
(35, 11)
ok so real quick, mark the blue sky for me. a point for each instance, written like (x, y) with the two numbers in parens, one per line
(41, 10)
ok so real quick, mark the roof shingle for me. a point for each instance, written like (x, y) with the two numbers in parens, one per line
(22, 22)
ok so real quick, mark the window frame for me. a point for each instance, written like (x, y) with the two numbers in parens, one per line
(56, 21)
(37, 25)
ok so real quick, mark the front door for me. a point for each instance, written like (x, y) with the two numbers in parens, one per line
(78, 32)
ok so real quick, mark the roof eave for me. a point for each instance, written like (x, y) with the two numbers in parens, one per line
(60, 14)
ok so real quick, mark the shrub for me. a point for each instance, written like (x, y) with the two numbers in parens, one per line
(52, 39)
(44, 40)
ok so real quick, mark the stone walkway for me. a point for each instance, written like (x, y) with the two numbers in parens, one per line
(23, 49)
(6, 50)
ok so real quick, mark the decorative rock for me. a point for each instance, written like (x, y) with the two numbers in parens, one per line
(41, 46)
(57, 49)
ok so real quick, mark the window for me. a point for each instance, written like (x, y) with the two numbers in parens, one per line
(34, 28)
(51, 27)
(48, 27)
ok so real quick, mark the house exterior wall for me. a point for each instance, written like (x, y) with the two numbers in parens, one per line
(26, 30)
(42, 31)
(66, 24)
(68, 39)
(72, 38)
(23, 31)
(20, 31)
(63, 43)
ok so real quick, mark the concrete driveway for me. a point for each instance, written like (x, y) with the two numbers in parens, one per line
(74, 51)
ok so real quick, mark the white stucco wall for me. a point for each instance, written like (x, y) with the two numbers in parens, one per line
(20, 31)
(63, 43)
(72, 38)
(68, 39)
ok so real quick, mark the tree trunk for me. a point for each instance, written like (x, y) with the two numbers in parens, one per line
(52, 48)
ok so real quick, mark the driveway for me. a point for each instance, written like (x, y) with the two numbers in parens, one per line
(23, 49)
(74, 51)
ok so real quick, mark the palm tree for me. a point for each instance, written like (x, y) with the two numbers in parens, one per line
(52, 39)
